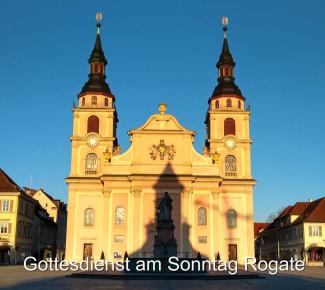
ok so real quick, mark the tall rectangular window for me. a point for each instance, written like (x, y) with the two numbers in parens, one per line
(4, 227)
(5, 205)
(315, 231)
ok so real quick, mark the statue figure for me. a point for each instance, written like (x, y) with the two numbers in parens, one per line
(164, 210)
(206, 151)
(116, 150)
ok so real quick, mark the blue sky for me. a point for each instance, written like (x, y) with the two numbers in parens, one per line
(167, 50)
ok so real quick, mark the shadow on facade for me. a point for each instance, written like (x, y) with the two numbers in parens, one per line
(168, 182)
(231, 232)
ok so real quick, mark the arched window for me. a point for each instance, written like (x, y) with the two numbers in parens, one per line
(229, 127)
(202, 216)
(119, 215)
(106, 102)
(89, 216)
(230, 164)
(91, 163)
(93, 124)
(231, 218)
(94, 100)
(217, 104)
(228, 103)
(83, 101)
(239, 104)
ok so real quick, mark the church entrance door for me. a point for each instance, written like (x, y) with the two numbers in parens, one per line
(88, 251)
(232, 252)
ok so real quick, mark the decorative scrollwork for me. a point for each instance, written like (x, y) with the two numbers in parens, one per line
(162, 150)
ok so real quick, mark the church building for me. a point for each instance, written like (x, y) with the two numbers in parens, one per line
(113, 195)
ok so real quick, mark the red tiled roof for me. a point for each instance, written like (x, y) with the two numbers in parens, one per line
(7, 184)
(258, 227)
(30, 191)
(285, 211)
(315, 212)
(299, 208)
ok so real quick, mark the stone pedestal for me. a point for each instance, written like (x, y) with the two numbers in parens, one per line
(165, 245)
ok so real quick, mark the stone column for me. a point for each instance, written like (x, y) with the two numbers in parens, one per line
(136, 230)
(106, 223)
(215, 235)
(185, 222)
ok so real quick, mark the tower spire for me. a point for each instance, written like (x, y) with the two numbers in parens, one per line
(226, 80)
(97, 63)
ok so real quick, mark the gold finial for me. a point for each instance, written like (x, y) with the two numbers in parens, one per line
(225, 22)
(99, 17)
(162, 108)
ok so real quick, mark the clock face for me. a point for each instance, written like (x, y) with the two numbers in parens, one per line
(92, 140)
(230, 142)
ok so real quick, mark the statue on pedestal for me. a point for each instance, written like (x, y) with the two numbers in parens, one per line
(165, 243)
(164, 211)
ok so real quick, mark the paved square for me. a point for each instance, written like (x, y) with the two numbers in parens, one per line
(15, 277)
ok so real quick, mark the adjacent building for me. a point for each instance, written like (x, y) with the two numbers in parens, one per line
(17, 221)
(298, 232)
(112, 195)
(57, 211)
(26, 227)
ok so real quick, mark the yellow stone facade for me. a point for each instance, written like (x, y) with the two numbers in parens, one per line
(17, 222)
(112, 195)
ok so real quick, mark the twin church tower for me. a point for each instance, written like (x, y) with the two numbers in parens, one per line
(112, 195)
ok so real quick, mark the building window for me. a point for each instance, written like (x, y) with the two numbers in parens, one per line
(4, 227)
(230, 166)
(217, 104)
(91, 163)
(118, 239)
(229, 127)
(228, 103)
(89, 217)
(5, 205)
(202, 216)
(231, 218)
(106, 102)
(239, 104)
(94, 100)
(119, 215)
(315, 231)
(83, 102)
(202, 239)
(93, 124)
